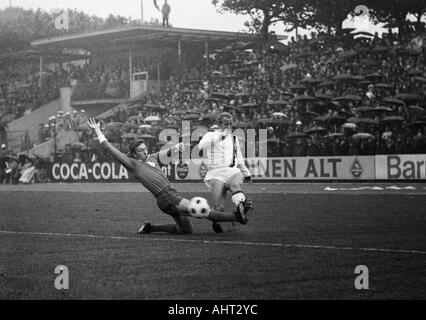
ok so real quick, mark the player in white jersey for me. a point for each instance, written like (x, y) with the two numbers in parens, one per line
(226, 169)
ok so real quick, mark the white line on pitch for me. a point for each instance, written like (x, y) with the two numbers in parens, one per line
(258, 244)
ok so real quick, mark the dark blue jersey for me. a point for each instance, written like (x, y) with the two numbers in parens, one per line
(148, 173)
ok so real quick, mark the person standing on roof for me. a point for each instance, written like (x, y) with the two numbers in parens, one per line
(166, 12)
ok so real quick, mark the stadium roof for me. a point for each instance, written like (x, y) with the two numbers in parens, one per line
(127, 36)
(35, 55)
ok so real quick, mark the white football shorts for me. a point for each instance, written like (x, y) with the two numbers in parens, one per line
(225, 175)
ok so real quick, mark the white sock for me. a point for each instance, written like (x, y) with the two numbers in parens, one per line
(237, 198)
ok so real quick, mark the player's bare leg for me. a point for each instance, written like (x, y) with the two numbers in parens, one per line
(218, 192)
(214, 215)
(238, 196)
(183, 226)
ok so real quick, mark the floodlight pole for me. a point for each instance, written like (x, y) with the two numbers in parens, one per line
(158, 77)
(41, 73)
(207, 54)
(130, 71)
(180, 51)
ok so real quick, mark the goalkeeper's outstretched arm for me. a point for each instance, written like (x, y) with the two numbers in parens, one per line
(115, 153)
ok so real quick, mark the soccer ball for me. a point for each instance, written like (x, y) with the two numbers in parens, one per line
(199, 208)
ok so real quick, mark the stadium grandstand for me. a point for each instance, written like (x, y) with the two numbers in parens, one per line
(325, 95)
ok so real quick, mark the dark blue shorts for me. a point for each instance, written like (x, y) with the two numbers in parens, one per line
(168, 200)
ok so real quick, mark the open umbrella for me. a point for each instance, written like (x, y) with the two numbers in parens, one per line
(212, 116)
(191, 117)
(172, 126)
(337, 120)
(335, 135)
(374, 76)
(408, 97)
(415, 73)
(343, 76)
(347, 30)
(297, 135)
(421, 79)
(273, 140)
(393, 119)
(153, 106)
(417, 125)
(415, 109)
(347, 54)
(239, 94)
(278, 47)
(222, 96)
(217, 74)
(229, 107)
(362, 136)
(130, 125)
(297, 87)
(279, 114)
(215, 100)
(365, 82)
(113, 126)
(362, 38)
(321, 119)
(132, 118)
(319, 130)
(201, 128)
(152, 119)
(363, 33)
(309, 115)
(384, 86)
(198, 112)
(349, 125)
(382, 109)
(78, 146)
(358, 78)
(277, 103)
(129, 136)
(380, 49)
(393, 100)
(326, 84)
(348, 98)
(323, 97)
(248, 105)
(304, 98)
(178, 113)
(345, 114)
(312, 81)
(288, 94)
(288, 66)
(146, 137)
(362, 120)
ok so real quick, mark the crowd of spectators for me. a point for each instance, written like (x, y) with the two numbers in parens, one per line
(25, 90)
(318, 96)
